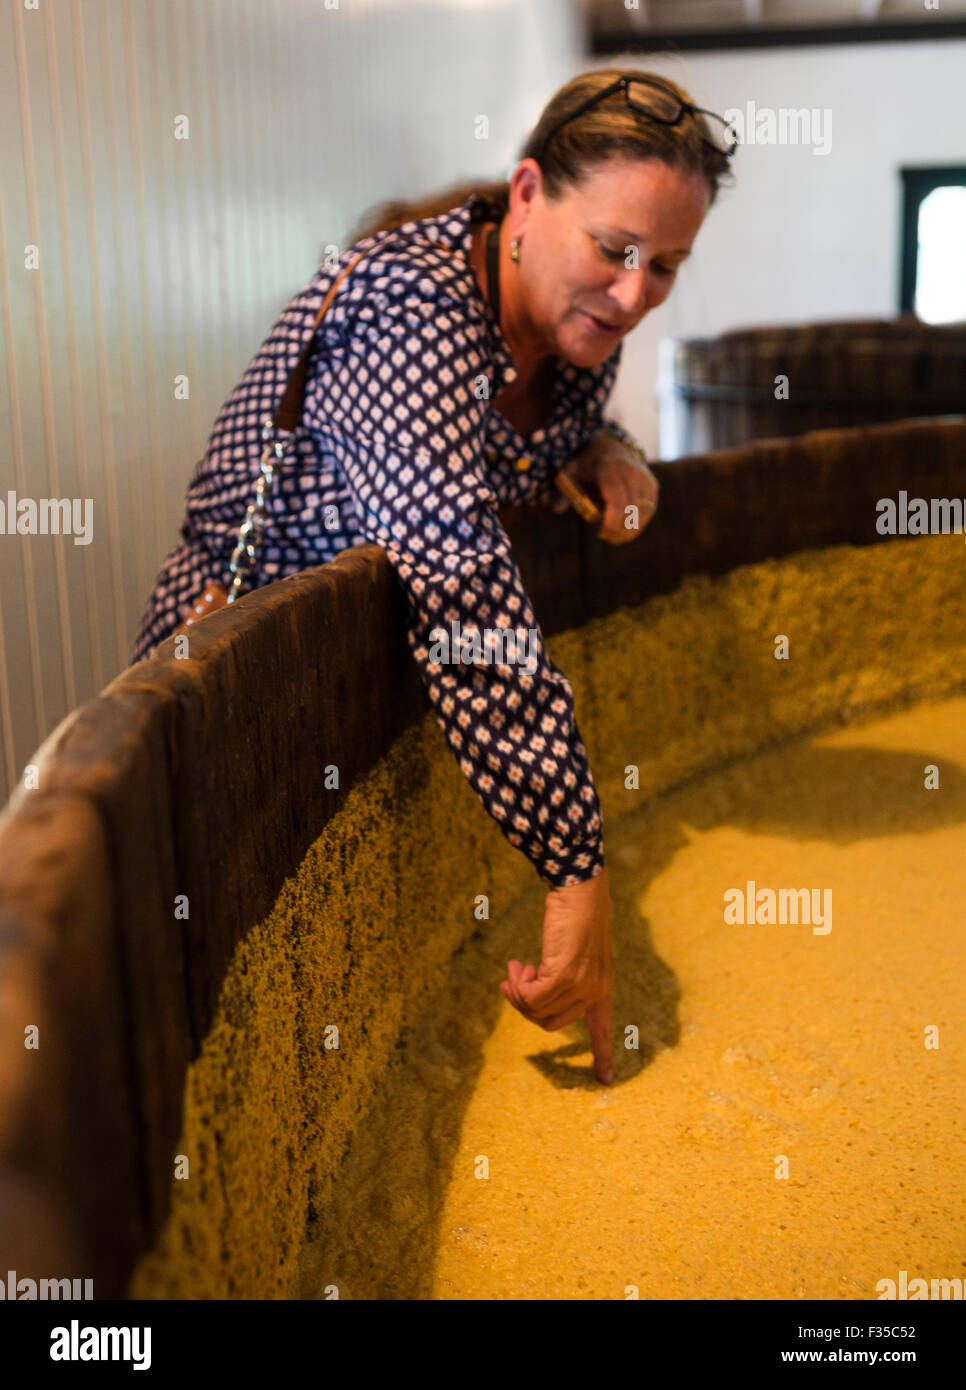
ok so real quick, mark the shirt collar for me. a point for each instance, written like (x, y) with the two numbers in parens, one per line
(478, 208)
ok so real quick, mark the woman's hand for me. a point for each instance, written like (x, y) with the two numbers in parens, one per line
(576, 972)
(621, 480)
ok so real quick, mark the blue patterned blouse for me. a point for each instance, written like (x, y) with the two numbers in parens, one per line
(398, 444)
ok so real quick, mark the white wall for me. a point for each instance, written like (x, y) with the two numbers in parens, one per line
(160, 257)
(802, 237)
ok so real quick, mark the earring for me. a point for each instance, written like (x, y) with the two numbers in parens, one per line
(515, 249)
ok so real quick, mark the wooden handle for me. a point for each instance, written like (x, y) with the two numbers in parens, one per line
(581, 503)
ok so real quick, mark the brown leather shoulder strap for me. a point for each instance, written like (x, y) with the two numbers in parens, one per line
(289, 411)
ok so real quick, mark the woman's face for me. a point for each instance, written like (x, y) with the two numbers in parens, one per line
(576, 268)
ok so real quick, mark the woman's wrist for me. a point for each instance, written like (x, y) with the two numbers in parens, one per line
(618, 432)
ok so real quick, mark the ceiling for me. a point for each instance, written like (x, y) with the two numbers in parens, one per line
(750, 23)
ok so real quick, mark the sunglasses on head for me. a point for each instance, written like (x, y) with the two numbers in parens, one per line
(657, 103)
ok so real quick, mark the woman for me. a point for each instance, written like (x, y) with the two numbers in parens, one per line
(461, 365)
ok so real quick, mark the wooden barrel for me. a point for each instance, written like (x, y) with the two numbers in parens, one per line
(779, 381)
(172, 815)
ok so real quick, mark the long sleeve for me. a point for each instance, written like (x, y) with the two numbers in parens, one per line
(402, 400)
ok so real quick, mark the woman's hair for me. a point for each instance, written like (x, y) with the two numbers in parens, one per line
(609, 130)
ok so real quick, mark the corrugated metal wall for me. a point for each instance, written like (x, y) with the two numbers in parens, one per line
(171, 172)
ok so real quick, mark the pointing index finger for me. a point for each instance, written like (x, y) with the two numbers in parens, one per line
(599, 1025)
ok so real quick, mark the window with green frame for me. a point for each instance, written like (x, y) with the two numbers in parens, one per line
(933, 273)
